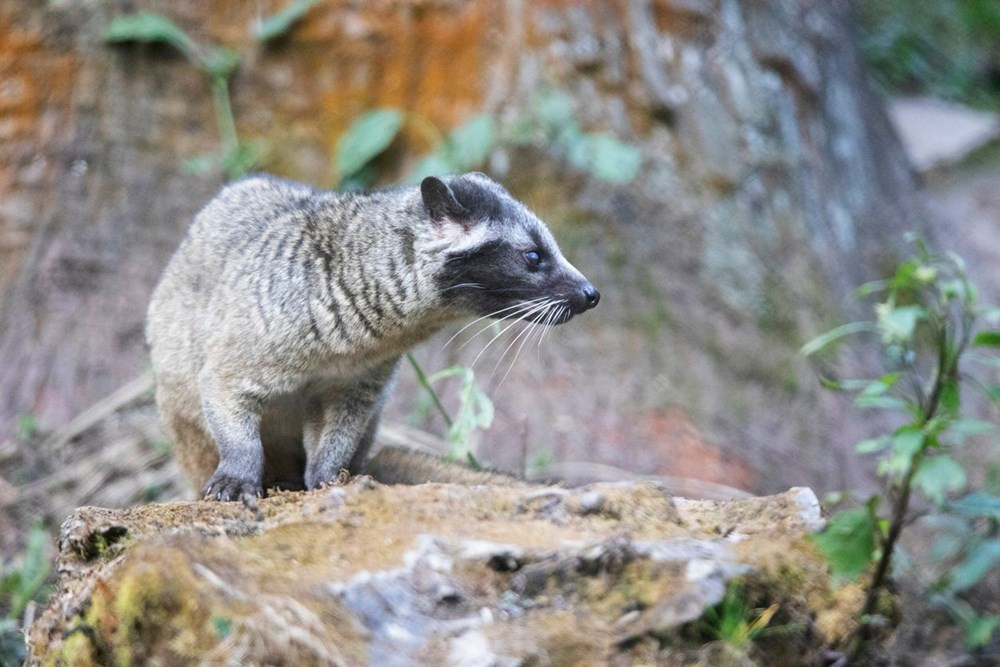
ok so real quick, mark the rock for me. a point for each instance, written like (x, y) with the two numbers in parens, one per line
(434, 574)
(938, 134)
(591, 502)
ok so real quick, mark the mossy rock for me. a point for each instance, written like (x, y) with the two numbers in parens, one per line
(431, 574)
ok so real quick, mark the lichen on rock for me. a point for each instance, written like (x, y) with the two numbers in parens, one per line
(433, 574)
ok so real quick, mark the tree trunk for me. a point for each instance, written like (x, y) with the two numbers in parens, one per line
(770, 184)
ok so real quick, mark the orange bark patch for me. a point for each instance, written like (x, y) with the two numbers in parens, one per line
(680, 450)
(342, 60)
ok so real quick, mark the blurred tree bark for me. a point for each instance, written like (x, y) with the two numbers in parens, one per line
(770, 184)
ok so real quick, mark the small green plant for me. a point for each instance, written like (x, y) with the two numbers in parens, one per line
(925, 322)
(550, 122)
(21, 584)
(553, 122)
(734, 622)
(539, 463)
(222, 625)
(27, 426)
(475, 411)
(218, 64)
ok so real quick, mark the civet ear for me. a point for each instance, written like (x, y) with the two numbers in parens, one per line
(440, 200)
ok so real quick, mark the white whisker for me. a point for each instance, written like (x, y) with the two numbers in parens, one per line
(526, 314)
(531, 325)
(485, 317)
(516, 316)
(559, 314)
(520, 347)
(546, 323)
(461, 285)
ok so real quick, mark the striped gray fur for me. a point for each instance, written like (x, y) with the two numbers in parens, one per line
(277, 327)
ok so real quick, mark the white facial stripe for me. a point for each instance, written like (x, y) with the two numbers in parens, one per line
(460, 240)
(448, 236)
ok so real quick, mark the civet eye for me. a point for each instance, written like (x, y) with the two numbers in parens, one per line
(533, 257)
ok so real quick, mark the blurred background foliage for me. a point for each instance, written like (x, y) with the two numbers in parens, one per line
(950, 49)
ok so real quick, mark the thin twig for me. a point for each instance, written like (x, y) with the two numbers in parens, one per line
(426, 384)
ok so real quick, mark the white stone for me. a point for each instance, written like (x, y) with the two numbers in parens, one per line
(937, 134)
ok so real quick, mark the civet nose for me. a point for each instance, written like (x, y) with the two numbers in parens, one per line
(588, 297)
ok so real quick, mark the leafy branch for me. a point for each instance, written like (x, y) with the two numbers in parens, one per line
(925, 322)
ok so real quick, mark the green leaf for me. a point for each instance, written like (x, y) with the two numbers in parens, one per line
(906, 442)
(883, 402)
(967, 427)
(954, 288)
(554, 109)
(360, 180)
(471, 142)
(873, 445)
(823, 340)
(848, 542)
(475, 412)
(905, 275)
(888, 380)
(151, 27)
(938, 475)
(979, 503)
(27, 426)
(870, 288)
(611, 160)
(830, 383)
(574, 141)
(897, 324)
(955, 258)
(521, 131)
(877, 388)
(950, 397)
(946, 547)
(278, 24)
(979, 629)
(366, 138)
(983, 558)
(987, 339)
(450, 372)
